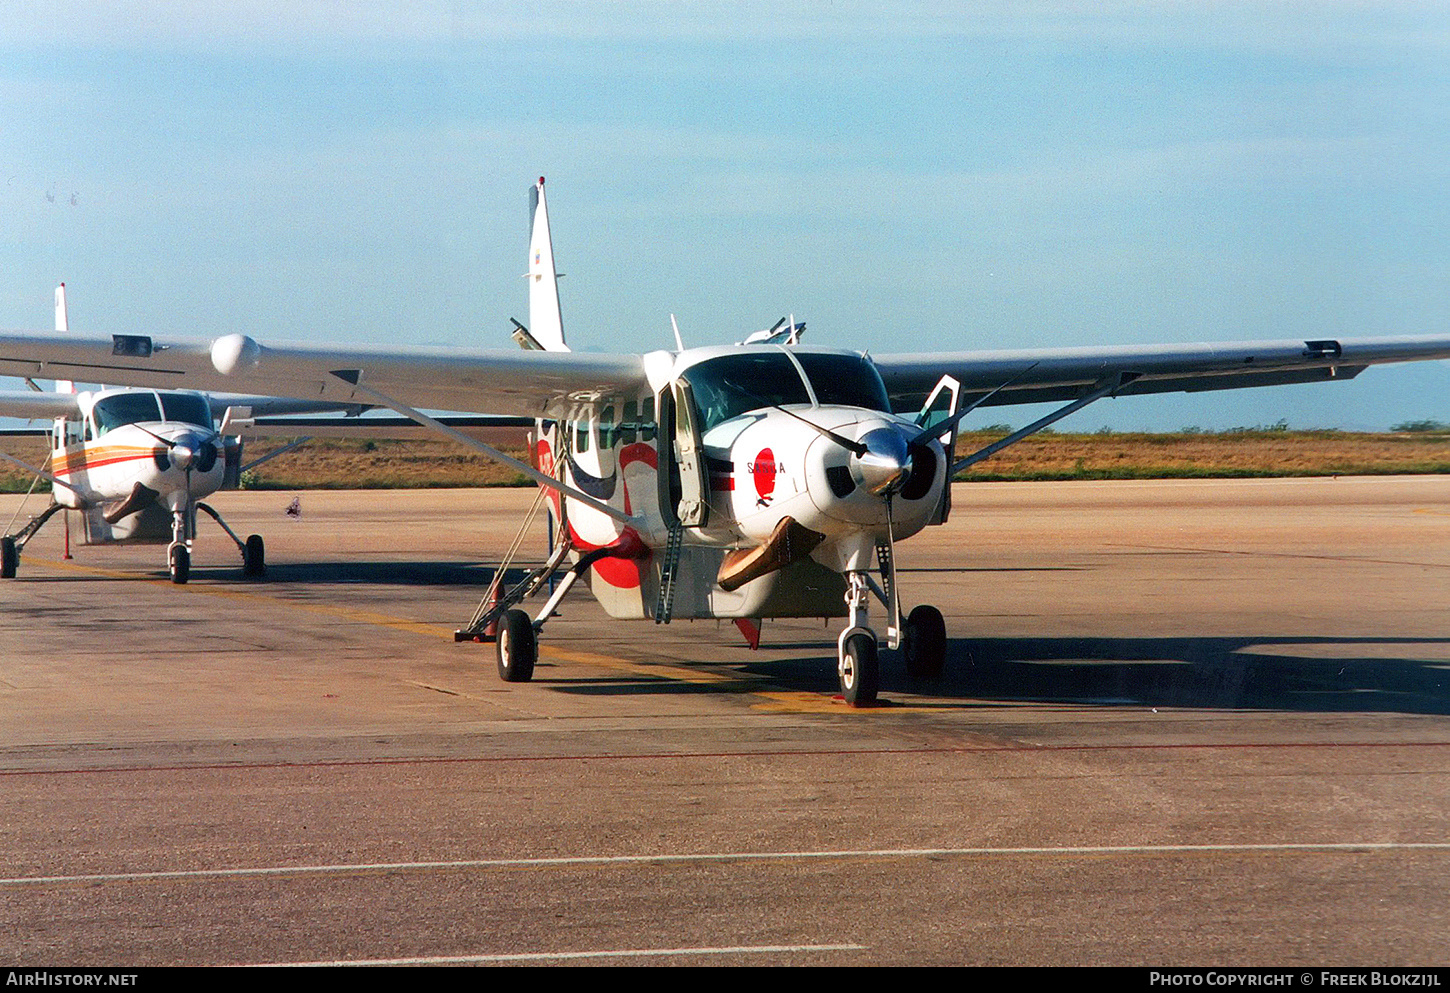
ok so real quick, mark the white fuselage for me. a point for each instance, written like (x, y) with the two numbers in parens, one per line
(126, 455)
(743, 472)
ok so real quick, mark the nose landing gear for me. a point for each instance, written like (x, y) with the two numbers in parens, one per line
(922, 639)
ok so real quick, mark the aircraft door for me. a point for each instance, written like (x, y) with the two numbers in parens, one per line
(939, 407)
(682, 483)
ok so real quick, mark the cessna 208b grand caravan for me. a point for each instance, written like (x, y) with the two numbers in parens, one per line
(763, 480)
(137, 464)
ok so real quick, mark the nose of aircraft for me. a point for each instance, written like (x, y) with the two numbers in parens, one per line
(884, 464)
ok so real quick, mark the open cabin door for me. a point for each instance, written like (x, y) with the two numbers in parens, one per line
(941, 406)
(682, 481)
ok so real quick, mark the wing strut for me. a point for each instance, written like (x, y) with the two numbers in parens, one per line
(353, 376)
(1103, 387)
(295, 443)
(42, 474)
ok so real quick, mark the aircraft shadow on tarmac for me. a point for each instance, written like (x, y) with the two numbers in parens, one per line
(1313, 674)
(404, 573)
(1310, 674)
(396, 573)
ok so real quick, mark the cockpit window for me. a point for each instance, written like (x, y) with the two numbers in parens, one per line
(844, 380)
(187, 408)
(732, 385)
(125, 408)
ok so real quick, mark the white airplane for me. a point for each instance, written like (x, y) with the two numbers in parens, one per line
(138, 463)
(764, 480)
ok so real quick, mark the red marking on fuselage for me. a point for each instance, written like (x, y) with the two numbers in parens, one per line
(624, 569)
(639, 452)
(762, 470)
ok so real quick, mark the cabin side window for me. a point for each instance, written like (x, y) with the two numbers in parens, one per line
(647, 426)
(608, 431)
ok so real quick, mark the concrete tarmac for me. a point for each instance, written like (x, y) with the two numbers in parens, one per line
(1183, 723)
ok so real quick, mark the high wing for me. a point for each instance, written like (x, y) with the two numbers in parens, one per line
(260, 405)
(526, 384)
(1057, 374)
(508, 431)
(557, 385)
(30, 404)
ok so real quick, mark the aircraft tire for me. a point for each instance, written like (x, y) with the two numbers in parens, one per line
(178, 561)
(860, 671)
(254, 558)
(925, 643)
(518, 647)
(9, 558)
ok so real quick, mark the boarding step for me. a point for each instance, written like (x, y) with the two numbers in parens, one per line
(669, 567)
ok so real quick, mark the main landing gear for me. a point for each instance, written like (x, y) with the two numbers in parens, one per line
(12, 544)
(178, 552)
(254, 554)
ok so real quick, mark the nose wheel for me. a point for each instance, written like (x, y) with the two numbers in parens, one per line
(859, 668)
(178, 563)
(858, 663)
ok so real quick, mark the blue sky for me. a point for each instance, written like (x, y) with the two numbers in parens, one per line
(902, 177)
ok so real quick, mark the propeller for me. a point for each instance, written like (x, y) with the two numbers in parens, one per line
(187, 452)
(882, 462)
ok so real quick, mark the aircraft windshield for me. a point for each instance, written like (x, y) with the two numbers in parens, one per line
(844, 380)
(187, 408)
(125, 408)
(131, 408)
(732, 385)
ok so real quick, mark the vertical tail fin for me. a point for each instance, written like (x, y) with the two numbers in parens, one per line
(62, 323)
(546, 323)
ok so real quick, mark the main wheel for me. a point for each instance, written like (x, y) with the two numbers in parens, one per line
(9, 558)
(860, 671)
(254, 558)
(517, 647)
(925, 643)
(178, 562)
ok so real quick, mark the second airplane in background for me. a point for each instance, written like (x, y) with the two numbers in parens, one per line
(137, 464)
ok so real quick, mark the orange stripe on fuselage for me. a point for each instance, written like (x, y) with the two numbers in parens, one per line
(96, 457)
